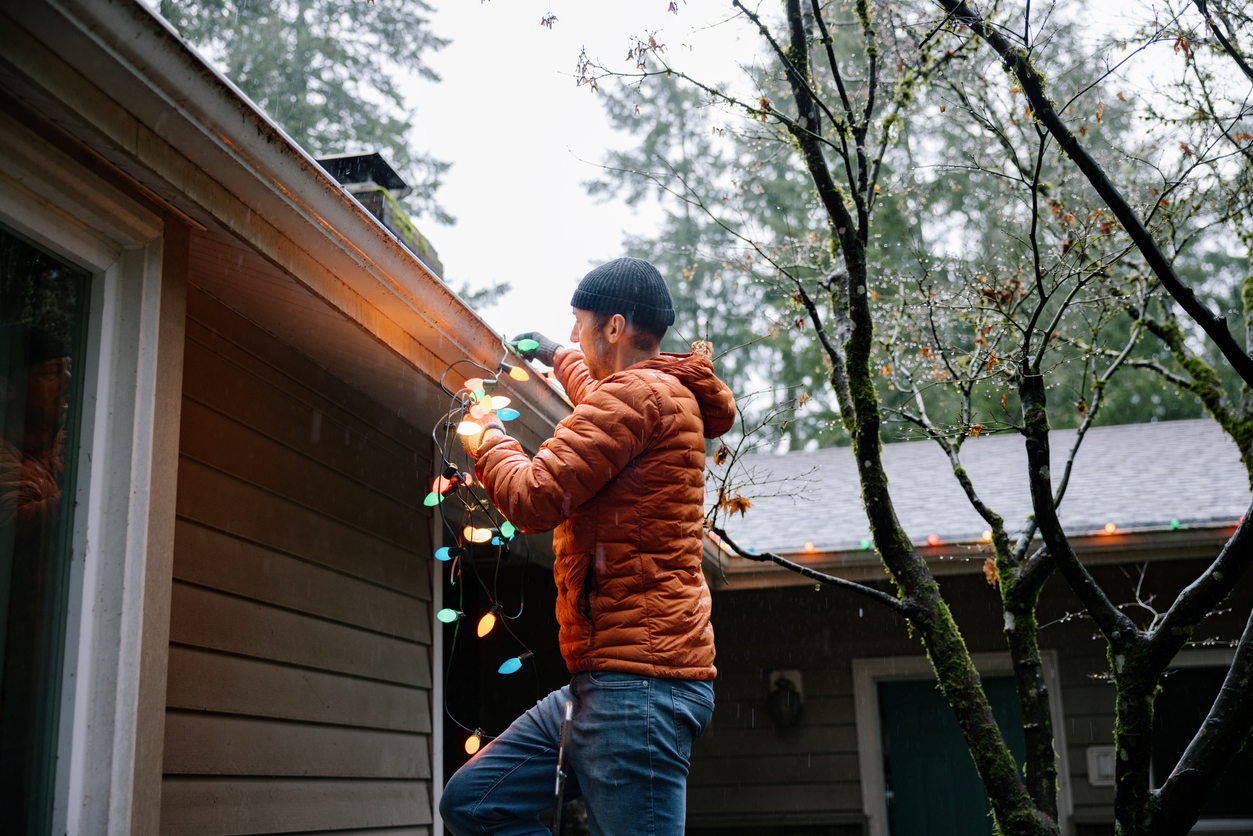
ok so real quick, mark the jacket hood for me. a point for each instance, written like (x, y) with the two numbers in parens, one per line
(696, 372)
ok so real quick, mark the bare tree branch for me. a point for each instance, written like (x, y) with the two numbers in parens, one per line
(1033, 86)
(903, 607)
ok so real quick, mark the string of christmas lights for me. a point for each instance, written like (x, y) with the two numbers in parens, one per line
(454, 495)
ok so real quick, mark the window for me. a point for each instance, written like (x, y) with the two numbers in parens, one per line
(1178, 711)
(42, 325)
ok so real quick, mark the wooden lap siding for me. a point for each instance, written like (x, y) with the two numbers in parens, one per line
(300, 643)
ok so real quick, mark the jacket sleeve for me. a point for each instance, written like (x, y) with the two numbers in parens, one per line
(589, 448)
(571, 370)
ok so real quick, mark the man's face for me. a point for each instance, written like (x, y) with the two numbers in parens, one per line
(596, 349)
(48, 392)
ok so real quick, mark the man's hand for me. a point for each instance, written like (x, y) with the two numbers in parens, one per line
(544, 350)
(472, 443)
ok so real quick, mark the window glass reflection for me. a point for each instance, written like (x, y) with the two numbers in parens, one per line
(42, 314)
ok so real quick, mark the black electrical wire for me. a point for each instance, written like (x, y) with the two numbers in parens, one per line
(456, 408)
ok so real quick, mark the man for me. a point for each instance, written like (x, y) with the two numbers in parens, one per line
(622, 482)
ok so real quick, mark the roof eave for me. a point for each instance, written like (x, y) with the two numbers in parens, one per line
(188, 134)
(864, 565)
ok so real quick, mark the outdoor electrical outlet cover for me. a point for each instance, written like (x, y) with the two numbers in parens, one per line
(1101, 761)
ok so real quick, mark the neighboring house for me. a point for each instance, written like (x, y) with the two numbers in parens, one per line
(220, 598)
(875, 749)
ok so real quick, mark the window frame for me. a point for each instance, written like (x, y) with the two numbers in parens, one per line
(56, 202)
(1210, 657)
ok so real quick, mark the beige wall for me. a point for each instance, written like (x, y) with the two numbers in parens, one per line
(299, 694)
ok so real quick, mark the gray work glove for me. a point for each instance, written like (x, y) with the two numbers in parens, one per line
(544, 352)
(472, 443)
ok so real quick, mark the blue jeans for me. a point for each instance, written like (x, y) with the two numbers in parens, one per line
(629, 758)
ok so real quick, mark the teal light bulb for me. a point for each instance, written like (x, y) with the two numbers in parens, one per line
(511, 665)
(507, 530)
(442, 554)
(447, 615)
(433, 498)
(507, 414)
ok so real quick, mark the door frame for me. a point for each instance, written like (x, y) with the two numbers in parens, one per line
(867, 673)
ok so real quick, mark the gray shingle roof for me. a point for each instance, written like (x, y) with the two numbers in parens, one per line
(1137, 476)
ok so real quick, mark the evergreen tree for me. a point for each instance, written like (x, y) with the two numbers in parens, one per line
(325, 70)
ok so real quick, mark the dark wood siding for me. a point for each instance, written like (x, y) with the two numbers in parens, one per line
(300, 635)
(749, 777)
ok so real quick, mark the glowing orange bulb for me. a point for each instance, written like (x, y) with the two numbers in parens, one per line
(987, 536)
(469, 428)
(473, 742)
(476, 535)
(933, 539)
(474, 383)
(476, 411)
(441, 485)
(486, 623)
(809, 547)
(1110, 528)
(519, 374)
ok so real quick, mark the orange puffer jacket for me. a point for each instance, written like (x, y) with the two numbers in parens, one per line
(623, 482)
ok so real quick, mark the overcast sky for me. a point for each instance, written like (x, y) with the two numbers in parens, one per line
(523, 139)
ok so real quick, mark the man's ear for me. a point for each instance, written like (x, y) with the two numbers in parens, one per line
(615, 328)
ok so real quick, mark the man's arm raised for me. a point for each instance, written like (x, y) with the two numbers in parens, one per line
(607, 430)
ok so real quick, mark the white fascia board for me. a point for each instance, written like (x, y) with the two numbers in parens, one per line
(184, 131)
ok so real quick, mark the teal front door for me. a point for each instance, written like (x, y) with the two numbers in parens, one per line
(932, 786)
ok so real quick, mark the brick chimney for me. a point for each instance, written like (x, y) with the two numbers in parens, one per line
(378, 187)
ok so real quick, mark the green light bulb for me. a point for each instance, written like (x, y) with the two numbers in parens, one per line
(527, 345)
(447, 616)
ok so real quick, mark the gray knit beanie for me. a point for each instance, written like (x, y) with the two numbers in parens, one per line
(628, 286)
